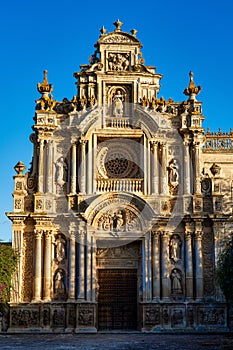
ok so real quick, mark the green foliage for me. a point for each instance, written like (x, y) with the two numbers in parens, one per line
(8, 264)
(224, 271)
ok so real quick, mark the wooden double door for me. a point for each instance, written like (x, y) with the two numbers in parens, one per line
(117, 299)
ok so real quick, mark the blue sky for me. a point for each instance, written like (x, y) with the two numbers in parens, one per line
(177, 36)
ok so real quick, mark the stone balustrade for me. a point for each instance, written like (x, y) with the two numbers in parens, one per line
(121, 185)
(118, 122)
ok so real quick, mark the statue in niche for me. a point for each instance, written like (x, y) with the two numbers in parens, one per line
(176, 282)
(173, 173)
(175, 248)
(61, 166)
(206, 186)
(118, 104)
(59, 285)
(60, 244)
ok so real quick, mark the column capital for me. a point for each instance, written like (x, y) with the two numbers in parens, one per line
(83, 141)
(48, 234)
(38, 233)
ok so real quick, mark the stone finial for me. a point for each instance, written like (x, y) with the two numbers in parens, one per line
(19, 168)
(103, 30)
(45, 88)
(134, 32)
(118, 25)
(192, 90)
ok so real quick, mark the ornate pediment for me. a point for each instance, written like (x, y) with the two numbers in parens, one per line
(118, 38)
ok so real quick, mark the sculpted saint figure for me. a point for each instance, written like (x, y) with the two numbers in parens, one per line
(60, 166)
(176, 280)
(60, 248)
(173, 173)
(118, 104)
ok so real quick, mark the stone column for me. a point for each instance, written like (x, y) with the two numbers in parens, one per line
(41, 167)
(155, 168)
(145, 164)
(83, 166)
(163, 169)
(164, 266)
(72, 259)
(81, 265)
(89, 170)
(17, 245)
(218, 231)
(94, 162)
(49, 167)
(198, 259)
(186, 165)
(47, 267)
(38, 265)
(156, 264)
(196, 177)
(88, 276)
(189, 231)
(73, 168)
(93, 248)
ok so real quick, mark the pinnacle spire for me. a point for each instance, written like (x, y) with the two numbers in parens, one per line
(192, 90)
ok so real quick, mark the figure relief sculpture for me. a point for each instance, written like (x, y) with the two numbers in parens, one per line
(59, 285)
(60, 251)
(176, 282)
(117, 221)
(118, 61)
(118, 108)
(175, 248)
(61, 166)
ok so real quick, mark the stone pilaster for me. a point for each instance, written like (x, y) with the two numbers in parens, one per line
(156, 265)
(83, 166)
(49, 167)
(187, 187)
(72, 260)
(163, 169)
(189, 232)
(199, 259)
(73, 168)
(164, 266)
(41, 167)
(155, 168)
(47, 266)
(38, 265)
(81, 265)
(218, 230)
(196, 177)
(90, 166)
(145, 164)
(17, 244)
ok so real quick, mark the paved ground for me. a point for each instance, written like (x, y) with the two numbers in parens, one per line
(116, 342)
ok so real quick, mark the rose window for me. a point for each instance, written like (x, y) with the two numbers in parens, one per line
(117, 165)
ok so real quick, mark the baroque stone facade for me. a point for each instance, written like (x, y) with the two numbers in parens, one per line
(121, 217)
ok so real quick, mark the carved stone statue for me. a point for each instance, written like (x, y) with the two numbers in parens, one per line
(59, 286)
(60, 248)
(176, 282)
(175, 248)
(173, 173)
(60, 167)
(118, 105)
